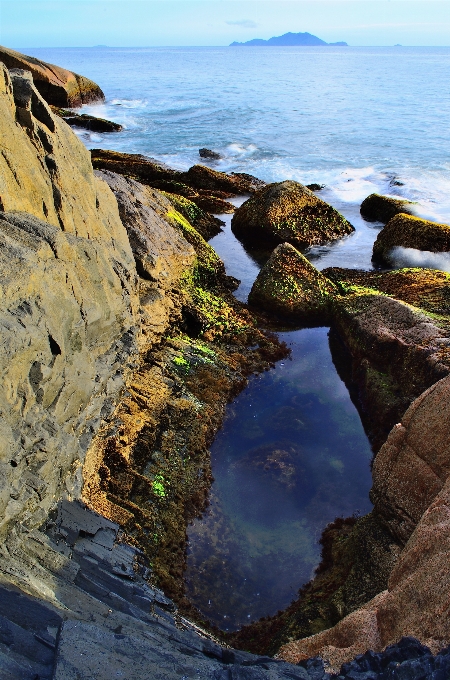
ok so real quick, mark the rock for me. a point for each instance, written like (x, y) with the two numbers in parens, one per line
(288, 211)
(207, 225)
(136, 166)
(68, 304)
(291, 288)
(410, 470)
(201, 177)
(408, 231)
(376, 208)
(396, 331)
(203, 186)
(86, 121)
(207, 153)
(56, 85)
(315, 187)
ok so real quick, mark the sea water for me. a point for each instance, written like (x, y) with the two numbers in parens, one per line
(292, 454)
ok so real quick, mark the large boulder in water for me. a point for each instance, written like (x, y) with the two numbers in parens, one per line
(57, 85)
(376, 208)
(288, 212)
(408, 231)
(288, 286)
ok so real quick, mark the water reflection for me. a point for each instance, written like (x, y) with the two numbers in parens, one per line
(292, 456)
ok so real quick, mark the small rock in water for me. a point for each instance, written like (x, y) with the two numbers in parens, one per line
(207, 153)
(315, 187)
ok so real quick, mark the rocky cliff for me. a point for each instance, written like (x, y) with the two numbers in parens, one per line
(68, 304)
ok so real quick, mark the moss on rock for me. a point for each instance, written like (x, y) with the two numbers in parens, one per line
(290, 287)
(288, 212)
(376, 208)
(408, 231)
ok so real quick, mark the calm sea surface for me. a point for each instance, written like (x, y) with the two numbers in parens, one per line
(292, 454)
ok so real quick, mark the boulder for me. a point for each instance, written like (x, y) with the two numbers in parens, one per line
(408, 231)
(288, 212)
(201, 177)
(57, 85)
(376, 208)
(289, 287)
(207, 225)
(207, 153)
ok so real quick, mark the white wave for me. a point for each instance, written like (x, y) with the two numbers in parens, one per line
(235, 149)
(411, 257)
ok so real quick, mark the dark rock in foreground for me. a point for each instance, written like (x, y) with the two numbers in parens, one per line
(376, 208)
(290, 287)
(57, 85)
(207, 153)
(86, 121)
(288, 212)
(408, 231)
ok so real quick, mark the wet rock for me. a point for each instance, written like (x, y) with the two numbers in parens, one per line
(376, 208)
(315, 187)
(396, 330)
(207, 153)
(289, 287)
(408, 231)
(56, 85)
(205, 187)
(288, 212)
(86, 121)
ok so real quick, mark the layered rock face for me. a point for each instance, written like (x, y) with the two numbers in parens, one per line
(57, 85)
(68, 307)
(411, 488)
(288, 212)
(378, 208)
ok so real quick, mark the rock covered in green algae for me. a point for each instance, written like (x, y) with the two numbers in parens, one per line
(289, 286)
(376, 208)
(288, 212)
(408, 231)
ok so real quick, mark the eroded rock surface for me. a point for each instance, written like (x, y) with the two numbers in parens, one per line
(57, 85)
(288, 212)
(292, 288)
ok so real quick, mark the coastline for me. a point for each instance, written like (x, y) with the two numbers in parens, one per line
(156, 380)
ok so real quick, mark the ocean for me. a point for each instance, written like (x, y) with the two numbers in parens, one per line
(357, 120)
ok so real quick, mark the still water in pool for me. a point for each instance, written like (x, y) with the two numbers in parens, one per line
(291, 457)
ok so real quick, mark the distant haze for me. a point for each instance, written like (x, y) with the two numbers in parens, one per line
(39, 23)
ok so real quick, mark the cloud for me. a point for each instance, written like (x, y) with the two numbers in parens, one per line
(244, 23)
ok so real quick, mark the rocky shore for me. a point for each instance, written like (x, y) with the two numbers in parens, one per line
(122, 344)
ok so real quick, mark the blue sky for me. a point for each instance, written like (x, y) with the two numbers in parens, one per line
(70, 23)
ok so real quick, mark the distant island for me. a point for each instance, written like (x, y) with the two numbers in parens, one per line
(288, 40)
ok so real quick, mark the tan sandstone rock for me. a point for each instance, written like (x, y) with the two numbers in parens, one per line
(68, 304)
(57, 85)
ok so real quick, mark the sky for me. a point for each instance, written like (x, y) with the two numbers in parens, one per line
(81, 23)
